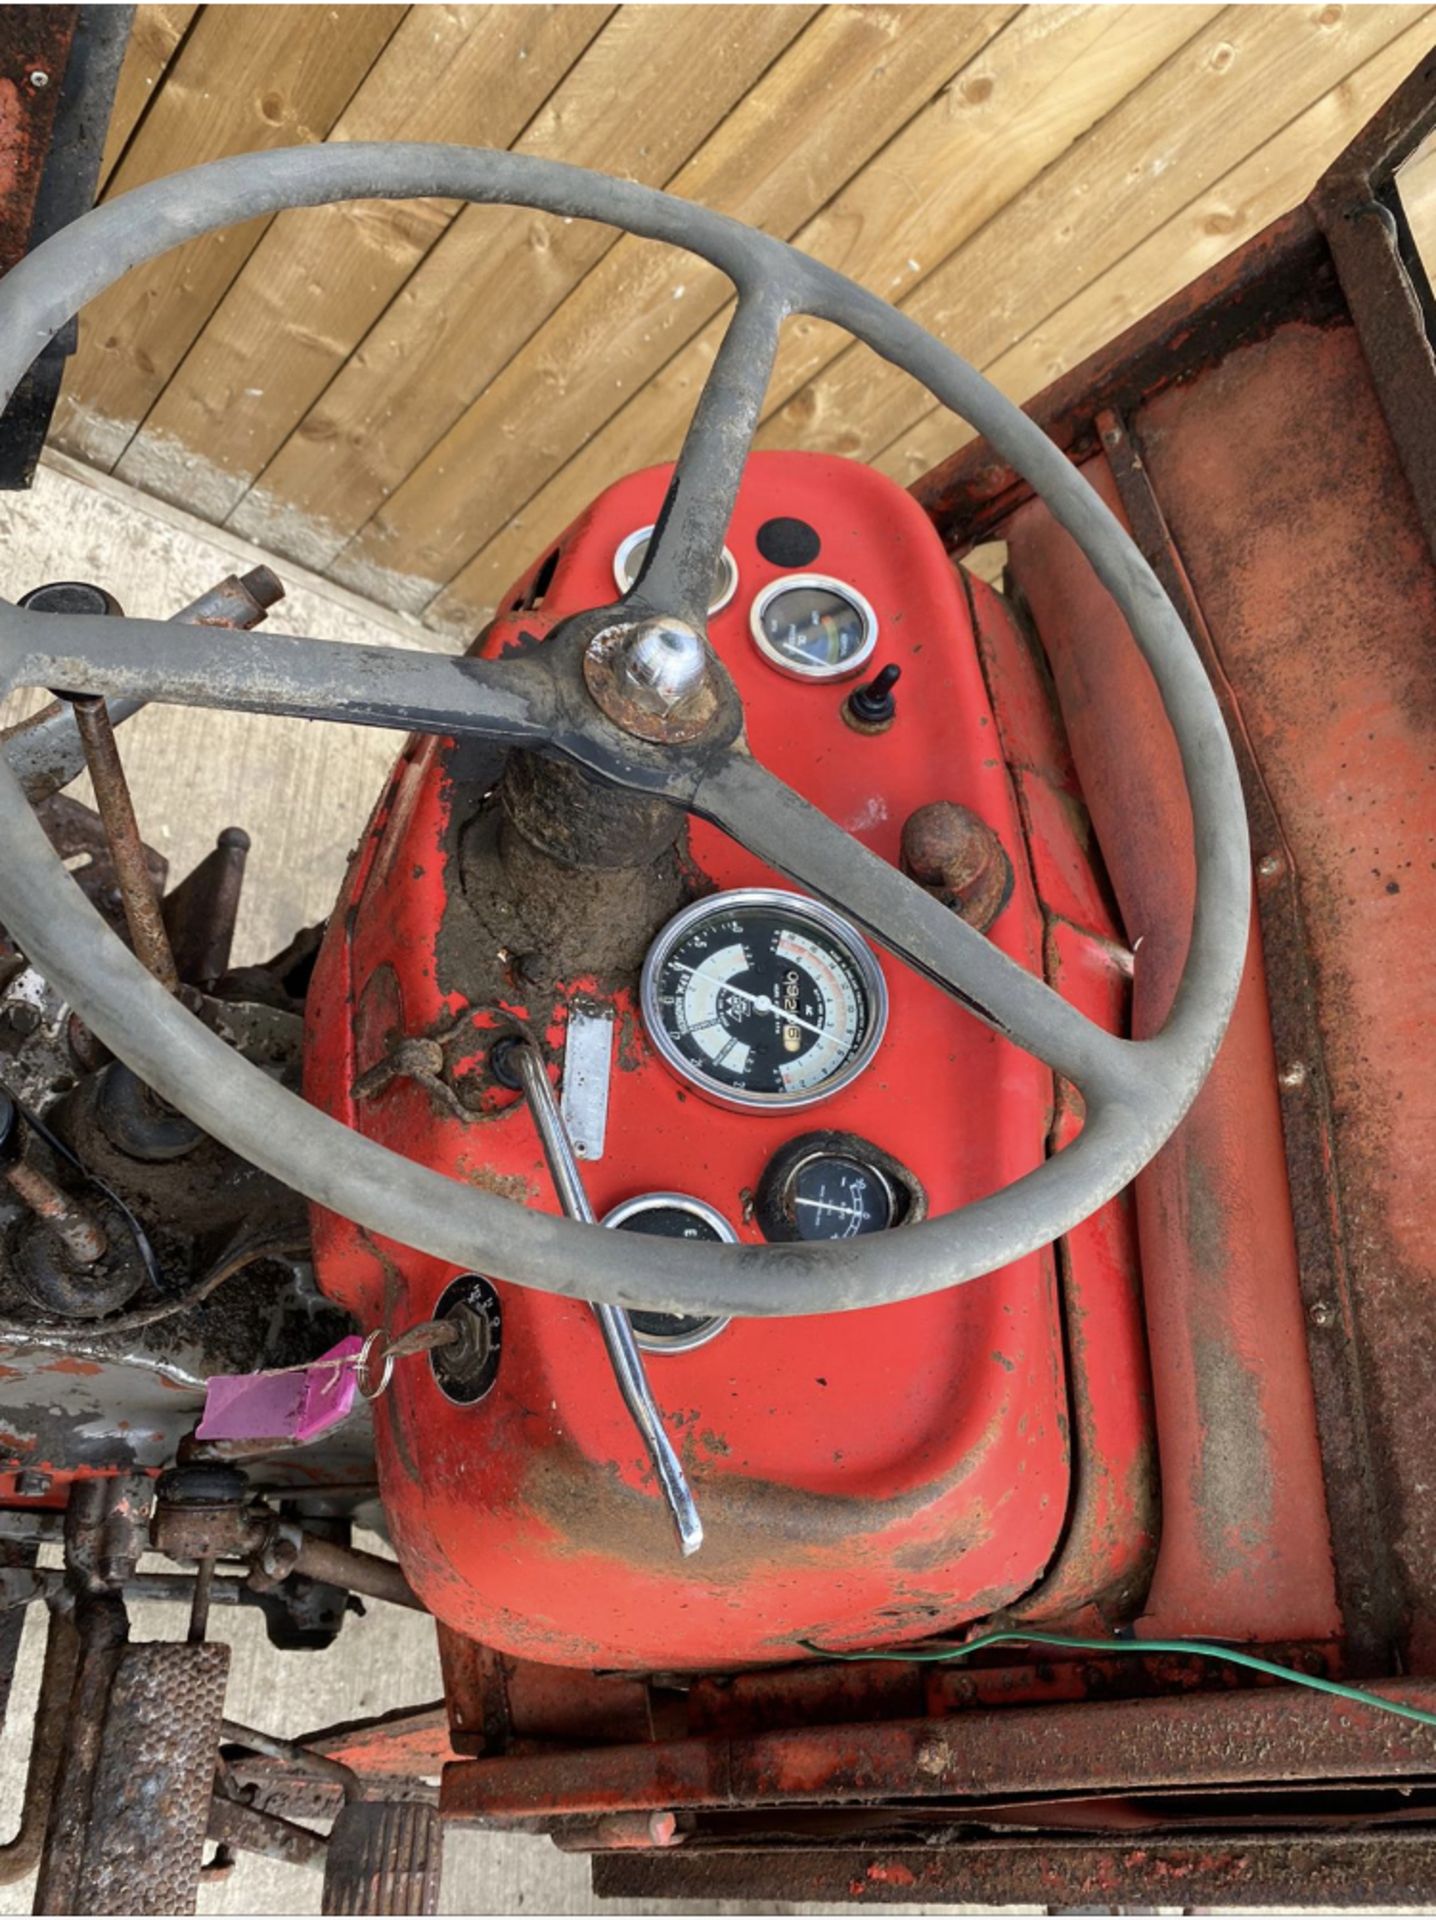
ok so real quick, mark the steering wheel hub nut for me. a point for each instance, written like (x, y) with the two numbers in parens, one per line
(651, 677)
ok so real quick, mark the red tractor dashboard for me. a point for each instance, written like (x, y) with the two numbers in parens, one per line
(881, 1474)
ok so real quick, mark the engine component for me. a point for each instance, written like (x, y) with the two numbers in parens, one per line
(764, 999)
(813, 628)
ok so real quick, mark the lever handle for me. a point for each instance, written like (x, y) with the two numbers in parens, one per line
(623, 1351)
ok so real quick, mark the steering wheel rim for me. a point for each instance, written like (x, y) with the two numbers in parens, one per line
(1137, 1092)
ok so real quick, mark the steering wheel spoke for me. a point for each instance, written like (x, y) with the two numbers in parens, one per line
(276, 673)
(766, 816)
(687, 543)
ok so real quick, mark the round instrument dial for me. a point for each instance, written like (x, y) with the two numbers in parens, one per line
(763, 998)
(631, 553)
(672, 1216)
(813, 628)
(834, 1197)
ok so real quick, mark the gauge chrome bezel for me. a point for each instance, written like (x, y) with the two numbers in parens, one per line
(779, 661)
(834, 925)
(625, 547)
(684, 1203)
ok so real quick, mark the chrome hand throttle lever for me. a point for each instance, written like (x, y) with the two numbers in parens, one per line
(517, 1062)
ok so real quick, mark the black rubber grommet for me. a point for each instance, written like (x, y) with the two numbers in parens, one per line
(789, 543)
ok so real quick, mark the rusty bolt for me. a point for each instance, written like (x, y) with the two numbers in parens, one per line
(959, 860)
(931, 1758)
(1322, 1313)
(1292, 1075)
(1270, 865)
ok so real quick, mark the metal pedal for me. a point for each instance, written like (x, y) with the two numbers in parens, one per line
(385, 1857)
(144, 1833)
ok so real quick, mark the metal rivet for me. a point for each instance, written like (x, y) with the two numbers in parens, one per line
(1322, 1313)
(1270, 865)
(1293, 1076)
(39, 78)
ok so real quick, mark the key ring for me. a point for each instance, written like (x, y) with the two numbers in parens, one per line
(361, 1366)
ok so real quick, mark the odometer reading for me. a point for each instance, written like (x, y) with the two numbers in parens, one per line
(764, 999)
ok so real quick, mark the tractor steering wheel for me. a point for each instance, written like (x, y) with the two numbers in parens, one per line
(566, 699)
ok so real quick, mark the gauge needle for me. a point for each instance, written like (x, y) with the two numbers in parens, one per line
(762, 1003)
(831, 1206)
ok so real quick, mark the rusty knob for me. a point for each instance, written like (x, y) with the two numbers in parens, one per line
(958, 858)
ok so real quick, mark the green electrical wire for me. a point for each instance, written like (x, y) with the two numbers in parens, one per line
(1201, 1649)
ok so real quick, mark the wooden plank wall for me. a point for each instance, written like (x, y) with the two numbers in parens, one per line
(413, 398)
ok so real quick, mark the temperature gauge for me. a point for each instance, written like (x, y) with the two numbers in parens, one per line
(763, 998)
(813, 628)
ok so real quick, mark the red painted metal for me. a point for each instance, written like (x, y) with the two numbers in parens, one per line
(873, 1477)
(34, 52)
(1189, 1741)
(1322, 606)
(1245, 1551)
(1101, 1569)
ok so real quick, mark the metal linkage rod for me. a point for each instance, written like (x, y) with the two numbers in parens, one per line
(122, 830)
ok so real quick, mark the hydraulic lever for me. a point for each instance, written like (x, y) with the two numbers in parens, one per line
(522, 1062)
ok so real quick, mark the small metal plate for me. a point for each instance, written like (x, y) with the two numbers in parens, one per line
(587, 1065)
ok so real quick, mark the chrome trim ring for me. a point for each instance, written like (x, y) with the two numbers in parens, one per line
(785, 583)
(707, 1329)
(624, 579)
(819, 915)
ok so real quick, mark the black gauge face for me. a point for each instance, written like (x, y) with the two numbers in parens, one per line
(671, 1216)
(814, 628)
(832, 1197)
(834, 1186)
(764, 999)
(632, 552)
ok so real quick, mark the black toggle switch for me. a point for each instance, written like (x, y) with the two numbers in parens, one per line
(872, 704)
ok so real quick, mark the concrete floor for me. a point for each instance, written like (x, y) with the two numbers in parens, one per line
(303, 792)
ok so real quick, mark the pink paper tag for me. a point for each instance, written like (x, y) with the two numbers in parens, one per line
(287, 1407)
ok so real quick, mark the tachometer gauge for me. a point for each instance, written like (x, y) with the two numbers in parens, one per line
(632, 551)
(763, 998)
(672, 1216)
(813, 628)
